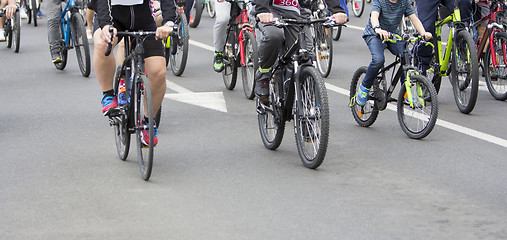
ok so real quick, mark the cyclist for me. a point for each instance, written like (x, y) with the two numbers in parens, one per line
(132, 15)
(385, 17)
(10, 8)
(223, 14)
(54, 8)
(427, 11)
(272, 39)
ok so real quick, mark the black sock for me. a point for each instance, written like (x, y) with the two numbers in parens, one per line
(109, 93)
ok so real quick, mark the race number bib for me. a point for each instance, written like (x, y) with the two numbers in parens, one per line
(286, 3)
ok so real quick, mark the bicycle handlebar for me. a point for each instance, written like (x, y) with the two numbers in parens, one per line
(2, 11)
(326, 22)
(394, 38)
(127, 33)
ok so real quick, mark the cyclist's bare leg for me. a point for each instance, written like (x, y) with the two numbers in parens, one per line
(105, 66)
(156, 71)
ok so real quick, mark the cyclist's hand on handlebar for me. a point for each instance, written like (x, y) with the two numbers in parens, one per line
(383, 34)
(10, 10)
(427, 36)
(105, 34)
(339, 18)
(163, 31)
(265, 17)
(180, 10)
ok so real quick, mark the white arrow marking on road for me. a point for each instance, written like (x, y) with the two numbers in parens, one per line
(210, 100)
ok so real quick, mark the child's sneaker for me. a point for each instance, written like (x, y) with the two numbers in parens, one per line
(362, 95)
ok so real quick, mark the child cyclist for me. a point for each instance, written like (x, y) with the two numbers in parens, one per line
(385, 17)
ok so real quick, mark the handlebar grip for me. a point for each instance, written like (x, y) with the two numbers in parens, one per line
(109, 48)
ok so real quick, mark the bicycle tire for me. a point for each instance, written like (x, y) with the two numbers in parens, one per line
(34, 12)
(337, 33)
(272, 123)
(142, 99)
(252, 64)
(8, 32)
(195, 14)
(323, 47)
(210, 7)
(433, 73)
(28, 11)
(121, 123)
(357, 11)
(311, 118)
(63, 51)
(178, 61)
(364, 118)
(465, 61)
(78, 35)
(497, 86)
(418, 120)
(16, 31)
(230, 72)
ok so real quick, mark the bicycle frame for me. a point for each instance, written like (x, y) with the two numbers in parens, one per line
(492, 28)
(454, 19)
(65, 15)
(241, 22)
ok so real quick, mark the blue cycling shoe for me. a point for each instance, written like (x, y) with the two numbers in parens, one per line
(362, 95)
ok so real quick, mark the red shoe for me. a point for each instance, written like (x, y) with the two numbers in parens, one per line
(145, 135)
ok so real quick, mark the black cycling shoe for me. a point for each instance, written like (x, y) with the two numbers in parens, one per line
(262, 85)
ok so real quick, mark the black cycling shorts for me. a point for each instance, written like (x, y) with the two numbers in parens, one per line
(135, 18)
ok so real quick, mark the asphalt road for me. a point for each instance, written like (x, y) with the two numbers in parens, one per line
(60, 177)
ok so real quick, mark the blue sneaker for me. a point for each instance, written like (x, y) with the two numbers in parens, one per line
(362, 95)
(109, 103)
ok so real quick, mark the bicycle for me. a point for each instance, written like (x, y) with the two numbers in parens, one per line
(73, 33)
(210, 7)
(176, 46)
(463, 71)
(417, 104)
(127, 118)
(31, 11)
(494, 40)
(322, 40)
(297, 92)
(240, 50)
(337, 31)
(195, 14)
(12, 29)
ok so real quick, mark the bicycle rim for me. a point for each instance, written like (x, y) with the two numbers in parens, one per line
(144, 107)
(365, 115)
(311, 119)
(417, 120)
(357, 7)
(81, 44)
(323, 49)
(271, 122)
(251, 64)
(120, 123)
(465, 72)
(230, 72)
(496, 76)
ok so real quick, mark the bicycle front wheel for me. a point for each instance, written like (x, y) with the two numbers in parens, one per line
(323, 49)
(311, 118)
(496, 76)
(210, 7)
(418, 118)
(357, 7)
(270, 118)
(78, 33)
(121, 122)
(251, 64)
(143, 108)
(16, 31)
(179, 47)
(337, 33)
(465, 72)
(35, 9)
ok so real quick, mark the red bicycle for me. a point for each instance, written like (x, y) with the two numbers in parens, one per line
(494, 39)
(240, 48)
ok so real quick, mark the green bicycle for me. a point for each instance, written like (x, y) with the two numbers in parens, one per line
(461, 55)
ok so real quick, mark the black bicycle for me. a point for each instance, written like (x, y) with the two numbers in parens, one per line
(176, 46)
(12, 29)
(127, 118)
(417, 99)
(297, 91)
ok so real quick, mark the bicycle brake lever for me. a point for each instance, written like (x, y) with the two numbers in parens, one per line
(110, 44)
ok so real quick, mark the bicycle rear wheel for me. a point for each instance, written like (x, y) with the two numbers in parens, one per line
(251, 64)
(337, 33)
(418, 120)
(230, 72)
(16, 31)
(34, 9)
(270, 118)
(210, 7)
(311, 118)
(143, 107)
(63, 52)
(496, 76)
(78, 33)
(195, 14)
(323, 45)
(121, 122)
(179, 47)
(365, 115)
(357, 7)
(465, 72)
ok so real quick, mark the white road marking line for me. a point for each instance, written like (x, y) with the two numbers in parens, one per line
(452, 126)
